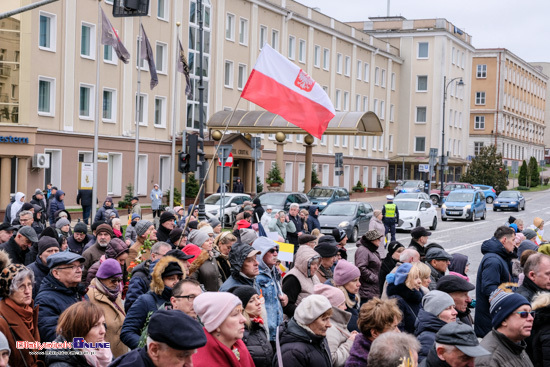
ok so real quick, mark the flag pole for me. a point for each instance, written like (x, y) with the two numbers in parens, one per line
(96, 119)
(138, 110)
(174, 122)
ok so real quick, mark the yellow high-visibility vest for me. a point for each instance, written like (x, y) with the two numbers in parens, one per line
(390, 210)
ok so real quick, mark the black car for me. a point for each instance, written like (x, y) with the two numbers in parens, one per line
(282, 200)
(353, 217)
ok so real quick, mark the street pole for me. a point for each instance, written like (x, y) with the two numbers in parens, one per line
(442, 164)
(96, 119)
(202, 169)
(138, 111)
(26, 8)
(183, 175)
(174, 122)
(403, 168)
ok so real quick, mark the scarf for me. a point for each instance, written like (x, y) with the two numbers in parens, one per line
(112, 294)
(26, 313)
(117, 232)
(98, 357)
(258, 320)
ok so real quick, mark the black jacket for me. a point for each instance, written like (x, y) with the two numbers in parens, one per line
(40, 271)
(163, 234)
(529, 289)
(408, 301)
(433, 360)
(258, 345)
(539, 348)
(65, 357)
(238, 187)
(258, 210)
(386, 267)
(134, 358)
(78, 247)
(293, 237)
(40, 203)
(416, 246)
(84, 197)
(301, 348)
(17, 256)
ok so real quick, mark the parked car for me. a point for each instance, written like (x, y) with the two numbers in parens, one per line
(488, 191)
(408, 186)
(412, 195)
(282, 200)
(464, 204)
(353, 217)
(416, 212)
(450, 186)
(324, 195)
(509, 200)
(231, 206)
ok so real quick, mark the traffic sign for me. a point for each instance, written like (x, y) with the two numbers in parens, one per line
(423, 168)
(228, 161)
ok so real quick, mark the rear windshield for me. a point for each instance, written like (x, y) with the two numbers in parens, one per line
(406, 205)
(459, 197)
(320, 193)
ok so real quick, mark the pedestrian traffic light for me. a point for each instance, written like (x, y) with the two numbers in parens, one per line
(183, 162)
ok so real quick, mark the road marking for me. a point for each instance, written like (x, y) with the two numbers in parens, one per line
(466, 246)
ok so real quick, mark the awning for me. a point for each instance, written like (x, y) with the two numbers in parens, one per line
(343, 123)
(424, 160)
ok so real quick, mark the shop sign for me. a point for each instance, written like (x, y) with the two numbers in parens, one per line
(14, 140)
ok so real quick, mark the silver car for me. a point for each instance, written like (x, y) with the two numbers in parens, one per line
(231, 206)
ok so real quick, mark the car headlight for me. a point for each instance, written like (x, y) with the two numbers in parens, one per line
(468, 207)
(513, 202)
(496, 201)
(443, 206)
(343, 224)
(408, 218)
(324, 203)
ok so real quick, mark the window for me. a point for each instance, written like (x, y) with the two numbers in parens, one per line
(375, 110)
(480, 98)
(363, 142)
(477, 147)
(383, 78)
(453, 55)
(381, 143)
(241, 81)
(337, 105)
(336, 140)
(392, 81)
(87, 41)
(357, 102)
(347, 65)
(366, 74)
(479, 122)
(421, 113)
(143, 109)
(382, 110)
(162, 9)
(291, 47)
(164, 173)
(359, 70)
(356, 142)
(86, 104)
(109, 55)
(481, 71)
(377, 76)
(142, 175)
(460, 120)
(390, 143)
(228, 78)
(160, 61)
(463, 62)
(339, 63)
(374, 142)
(392, 113)
(263, 36)
(109, 105)
(346, 101)
(326, 58)
(47, 31)
(317, 56)
(419, 144)
(423, 48)
(243, 31)
(422, 83)
(230, 27)
(302, 51)
(46, 96)
(345, 141)
(365, 103)
(451, 117)
(114, 178)
(275, 39)
(456, 118)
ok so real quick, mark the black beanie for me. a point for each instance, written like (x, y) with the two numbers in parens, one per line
(244, 292)
(81, 227)
(173, 268)
(45, 243)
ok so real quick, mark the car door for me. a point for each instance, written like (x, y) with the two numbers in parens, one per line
(477, 205)
(368, 216)
(423, 214)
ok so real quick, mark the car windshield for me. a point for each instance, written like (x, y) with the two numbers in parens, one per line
(320, 193)
(460, 197)
(408, 195)
(406, 205)
(339, 210)
(215, 200)
(273, 199)
(410, 184)
(508, 194)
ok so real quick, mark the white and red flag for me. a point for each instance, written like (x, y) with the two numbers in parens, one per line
(281, 87)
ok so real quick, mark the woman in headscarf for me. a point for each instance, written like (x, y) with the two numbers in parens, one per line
(204, 268)
(17, 205)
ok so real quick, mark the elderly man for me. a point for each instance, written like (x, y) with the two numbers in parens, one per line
(104, 234)
(46, 246)
(6, 231)
(420, 240)
(173, 346)
(537, 276)
(438, 261)
(512, 321)
(458, 289)
(166, 224)
(294, 217)
(183, 294)
(308, 240)
(26, 218)
(392, 349)
(455, 345)
(244, 267)
(58, 291)
(145, 230)
(18, 245)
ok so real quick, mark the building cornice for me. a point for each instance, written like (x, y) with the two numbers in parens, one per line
(111, 137)
(417, 33)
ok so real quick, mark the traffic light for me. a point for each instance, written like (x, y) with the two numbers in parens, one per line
(183, 162)
(195, 152)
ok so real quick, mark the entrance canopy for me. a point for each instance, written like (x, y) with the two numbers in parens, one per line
(343, 123)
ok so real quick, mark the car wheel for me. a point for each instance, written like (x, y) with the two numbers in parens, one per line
(444, 219)
(523, 207)
(517, 208)
(495, 209)
(354, 234)
(434, 224)
(473, 217)
(227, 220)
(418, 223)
(489, 200)
(484, 215)
(435, 199)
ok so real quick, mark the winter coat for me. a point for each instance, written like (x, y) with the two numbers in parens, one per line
(131, 233)
(113, 250)
(11, 321)
(147, 303)
(312, 221)
(238, 187)
(408, 301)
(299, 282)
(78, 247)
(114, 316)
(224, 267)
(54, 298)
(432, 360)
(136, 209)
(156, 199)
(435, 275)
(163, 234)
(16, 206)
(386, 267)
(266, 219)
(354, 311)
(540, 338)
(301, 348)
(16, 254)
(91, 255)
(418, 247)
(102, 212)
(40, 203)
(135, 250)
(504, 352)
(526, 245)
(292, 237)
(139, 283)
(134, 358)
(65, 357)
(40, 270)
(494, 269)
(258, 210)
(338, 335)
(282, 228)
(367, 259)
(377, 224)
(215, 353)
(84, 197)
(7, 214)
(529, 289)
(426, 326)
(257, 342)
(237, 256)
(204, 269)
(55, 205)
(359, 352)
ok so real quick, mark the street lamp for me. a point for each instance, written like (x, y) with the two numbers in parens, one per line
(442, 161)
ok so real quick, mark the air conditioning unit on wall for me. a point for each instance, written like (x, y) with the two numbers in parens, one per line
(41, 161)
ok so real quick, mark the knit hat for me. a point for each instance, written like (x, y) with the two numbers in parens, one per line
(6, 278)
(334, 295)
(305, 238)
(38, 192)
(104, 228)
(503, 304)
(373, 235)
(142, 226)
(376, 213)
(109, 199)
(81, 227)
(394, 246)
(514, 226)
(192, 249)
(184, 332)
(198, 238)
(175, 234)
(4, 345)
(214, 307)
(400, 274)
(207, 229)
(248, 236)
(311, 308)
(27, 206)
(345, 272)
(339, 234)
(135, 216)
(511, 219)
(166, 216)
(214, 222)
(45, 243)
(538, 221)
(327, 246)
(62, 222)
(173, 268)
(436, 302)
(193, 224)
(108, 269)
(244, 292)
(529, 233)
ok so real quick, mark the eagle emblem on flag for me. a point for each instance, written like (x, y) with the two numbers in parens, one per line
(304, 81)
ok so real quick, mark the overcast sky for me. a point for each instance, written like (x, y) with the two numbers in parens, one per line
(523, 26)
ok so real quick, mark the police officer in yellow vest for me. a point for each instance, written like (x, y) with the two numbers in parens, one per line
(390, 216)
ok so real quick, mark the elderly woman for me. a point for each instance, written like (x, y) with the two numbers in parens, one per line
(376, 317)
(404, 285)
(224, 324)
(204, 268)
(346, 278)
(281, 224)
(223, 243)
(117, 228)
(390, 261)
(81, 320)
(367, 259)
(303, 339)
(18, 316)
(376, 222)
(105, 292)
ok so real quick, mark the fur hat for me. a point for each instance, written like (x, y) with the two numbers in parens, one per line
(160, 269)
(6, 277)
(373, 235)
(311, 308)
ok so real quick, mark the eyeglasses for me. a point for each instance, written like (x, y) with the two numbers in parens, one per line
(115, 281)
(190, 298)
(273, 250)
(525, 314)
(73, 268)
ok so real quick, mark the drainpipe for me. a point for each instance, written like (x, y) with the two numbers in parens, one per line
(498, 105)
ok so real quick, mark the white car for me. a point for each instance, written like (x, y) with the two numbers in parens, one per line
(231, 206)
(416, 212)
(412, 195)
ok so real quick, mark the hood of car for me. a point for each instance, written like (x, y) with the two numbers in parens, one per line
(333, 220)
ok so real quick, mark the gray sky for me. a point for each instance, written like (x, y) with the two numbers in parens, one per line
(522, 26)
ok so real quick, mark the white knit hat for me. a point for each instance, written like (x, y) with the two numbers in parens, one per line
(311, 308)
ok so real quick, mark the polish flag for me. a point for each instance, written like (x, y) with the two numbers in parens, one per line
(281, 87)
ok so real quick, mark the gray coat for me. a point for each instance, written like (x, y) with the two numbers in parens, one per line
(131, 234)
(504, 352)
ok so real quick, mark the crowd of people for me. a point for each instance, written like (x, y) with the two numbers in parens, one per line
(179, 291)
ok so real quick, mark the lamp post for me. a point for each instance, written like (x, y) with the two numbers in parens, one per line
(442, 161)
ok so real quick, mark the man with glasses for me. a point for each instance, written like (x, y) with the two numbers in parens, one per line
(58, 291)
(183, 294)
(494, 269)
(19, 245)
(26, 218)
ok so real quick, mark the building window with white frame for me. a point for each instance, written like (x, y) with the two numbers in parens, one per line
(357, 102)
(365, 103)
(392, 113)
(86, 102)
(460, 120)
(381, 143)
(481, 71)
(346, 101)
(377, 76)
(421, 114)
(339, 63)
(324, 139)
(142, 175)
(161, 59)
(423, 50)
(230, 27)
(390, 143)
(419, 144)
(383, 78)
(263, 36)
(302, 51)
(345, 141)
(347, 65)
(241, 79)
(451, 117)
(317, 56)
(477, 147)
(382, 110)
(46, 96)
(228, 75)
(338, 103)
(243, 31)
(160, 111)
(421, 83)
(364, 142)
(109, 55)
(143, 109)
(374, 143)
(114, 178)
(326, 58)
(456, 118)
(366, 74)
(275, 39)
(375, 109)
(162, 10)
(356, 142)
(479, 122)
(393, 81)
(109, 105)
(291, 47)
(462, 66)
(359, 70)
(336, 140)
(87, 41)
(480, 98)
(453, 55)
(47, 31)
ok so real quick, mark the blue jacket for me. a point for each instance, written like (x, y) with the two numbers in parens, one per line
(495, 268)
(40, 271)
(139, 283)
(100, 215)
(156, 199)
(54, 298)
(312, 221)
(134, 358)
(427, 325)
(55, 205)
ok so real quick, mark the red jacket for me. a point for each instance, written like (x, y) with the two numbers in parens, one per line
(214, 353)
